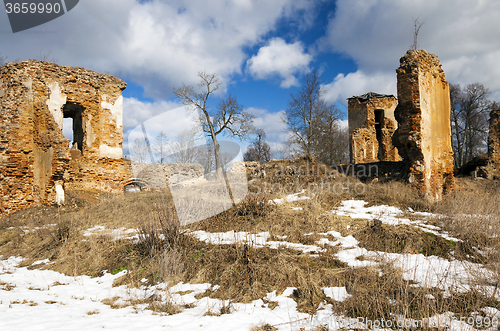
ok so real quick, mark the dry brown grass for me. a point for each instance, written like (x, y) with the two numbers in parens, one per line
(263, 327)
(245, 273)
(6, 286)
(472, 215)
(395, 193)
(403, 239)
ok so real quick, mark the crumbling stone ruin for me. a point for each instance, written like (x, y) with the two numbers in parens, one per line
(423, 137)
(371, 126)
(494, 137)
(36, 161)
(491, 167)
(486, 166)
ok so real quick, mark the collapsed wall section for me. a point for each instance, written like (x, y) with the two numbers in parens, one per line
(423, 137)
(371, 126)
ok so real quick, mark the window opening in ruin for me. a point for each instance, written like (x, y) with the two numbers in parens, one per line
(75, 112)
(68, 130)
(379, 118)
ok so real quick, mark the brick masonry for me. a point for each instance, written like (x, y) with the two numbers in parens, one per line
(36, 162)
(423, 137)
(370, 138)
(494, 137)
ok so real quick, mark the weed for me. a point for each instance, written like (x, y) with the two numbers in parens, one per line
(167, 307)
(118, 270)
(7, 286)
(263, 327)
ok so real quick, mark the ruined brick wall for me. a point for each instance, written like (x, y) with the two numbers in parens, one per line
(423, 137)
(371, 141)
(494, 137)
(492, 168)
(36, 163)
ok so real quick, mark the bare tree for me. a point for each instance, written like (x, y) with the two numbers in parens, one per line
(206, 157)
(416, 29)
(46, 56)
(227, 119)
(333, 142)
(310, 120)
(184, 148)
(470, 108)
(259, 151)
(139, 151)
(161, 147)
(2, 59)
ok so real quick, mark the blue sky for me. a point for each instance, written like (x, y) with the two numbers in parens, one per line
(261, 48)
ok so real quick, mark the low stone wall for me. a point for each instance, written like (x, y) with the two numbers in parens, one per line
(159, 176)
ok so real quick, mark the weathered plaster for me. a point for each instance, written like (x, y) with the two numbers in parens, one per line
(59, 194)
(423, 136)
(116, 109)
(110, 152)
(89, 131)
(55, 102)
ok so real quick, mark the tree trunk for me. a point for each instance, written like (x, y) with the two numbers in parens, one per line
(219, 171)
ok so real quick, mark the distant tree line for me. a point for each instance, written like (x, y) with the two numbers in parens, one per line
(313, 126)
(470, 112)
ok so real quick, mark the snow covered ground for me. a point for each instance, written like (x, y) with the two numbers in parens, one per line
(47, 300)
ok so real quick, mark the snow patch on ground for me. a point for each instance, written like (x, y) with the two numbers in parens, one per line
(291, 198)
(389, 215)
(116, 234)
(38, 302)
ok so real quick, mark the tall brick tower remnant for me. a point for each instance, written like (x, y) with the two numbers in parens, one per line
(423, 137)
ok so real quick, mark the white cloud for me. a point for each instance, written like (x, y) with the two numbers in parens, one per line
(158, 44)
(356, 83)
(135, 111)
(375, 34)
(281, 59)
(271, 123)
(169, 118)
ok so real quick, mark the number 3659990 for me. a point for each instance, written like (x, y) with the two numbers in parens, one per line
(32, 8)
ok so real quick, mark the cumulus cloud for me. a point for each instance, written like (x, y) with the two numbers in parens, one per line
(158, 44)
(375, 34)
(356, 83)
(271, 123)
(280, 59)
(136, 111)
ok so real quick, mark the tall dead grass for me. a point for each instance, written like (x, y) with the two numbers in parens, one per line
(165, 253)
